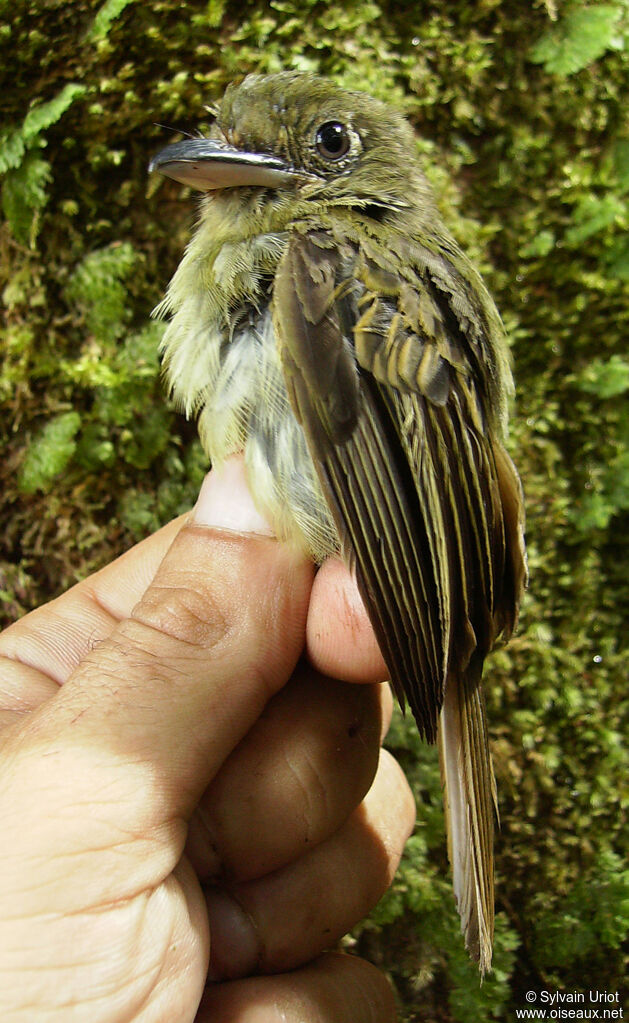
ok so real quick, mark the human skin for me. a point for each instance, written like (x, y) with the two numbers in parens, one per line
(185, 785)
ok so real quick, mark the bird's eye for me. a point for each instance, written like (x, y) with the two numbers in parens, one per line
(332, 140)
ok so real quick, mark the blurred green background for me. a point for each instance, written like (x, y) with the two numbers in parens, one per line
(521, 115)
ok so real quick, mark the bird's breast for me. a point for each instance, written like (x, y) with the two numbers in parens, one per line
(224, 367)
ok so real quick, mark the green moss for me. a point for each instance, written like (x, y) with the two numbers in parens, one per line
(50, 452)
(581, 37)
(96, 290)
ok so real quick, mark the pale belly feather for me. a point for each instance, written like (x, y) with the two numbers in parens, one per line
(244, 406)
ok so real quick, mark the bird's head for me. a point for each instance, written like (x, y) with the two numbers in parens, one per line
(304, 137)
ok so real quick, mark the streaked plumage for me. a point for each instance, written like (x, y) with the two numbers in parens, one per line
(325, 322)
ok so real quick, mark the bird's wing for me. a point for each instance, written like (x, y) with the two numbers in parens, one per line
(391, 396)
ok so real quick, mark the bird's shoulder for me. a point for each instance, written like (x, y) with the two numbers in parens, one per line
(414, 310)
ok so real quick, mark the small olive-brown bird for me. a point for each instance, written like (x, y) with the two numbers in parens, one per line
(325, 322)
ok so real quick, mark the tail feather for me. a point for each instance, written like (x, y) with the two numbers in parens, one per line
(470, 803)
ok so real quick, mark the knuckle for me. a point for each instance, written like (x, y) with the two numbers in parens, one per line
(184, 615)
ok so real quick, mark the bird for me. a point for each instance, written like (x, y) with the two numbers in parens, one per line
(324, 321)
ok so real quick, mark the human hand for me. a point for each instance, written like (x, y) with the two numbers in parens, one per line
(170, 770)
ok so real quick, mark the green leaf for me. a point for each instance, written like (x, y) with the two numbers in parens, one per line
(41, 117)
(593, 214)
(606, 378)
(618, 483)
(580, 38)
(24, 195)
(15, 142)
(214, 13)
(618, 260)
(49, 453)
(621, 162)
(12, 150)
(540, 245)
(108, 13)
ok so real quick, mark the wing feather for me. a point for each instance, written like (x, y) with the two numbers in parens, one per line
(395, 404)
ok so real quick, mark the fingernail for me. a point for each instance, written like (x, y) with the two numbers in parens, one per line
(225, 501)
(235, 949)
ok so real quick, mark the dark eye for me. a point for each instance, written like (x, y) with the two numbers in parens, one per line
(333, 140)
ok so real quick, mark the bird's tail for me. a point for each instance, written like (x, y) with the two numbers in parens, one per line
(470, 802)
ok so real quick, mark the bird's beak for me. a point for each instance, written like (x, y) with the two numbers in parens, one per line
(207, 164)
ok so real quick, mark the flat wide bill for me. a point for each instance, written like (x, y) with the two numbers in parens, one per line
(207, 164)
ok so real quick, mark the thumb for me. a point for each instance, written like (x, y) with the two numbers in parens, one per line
(153, 710)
